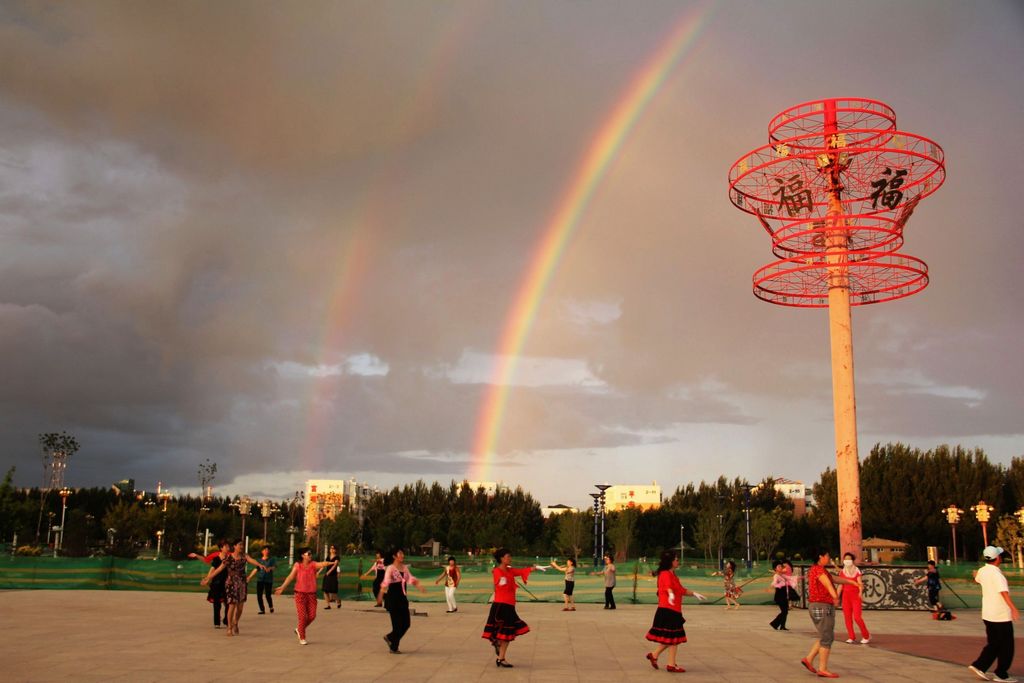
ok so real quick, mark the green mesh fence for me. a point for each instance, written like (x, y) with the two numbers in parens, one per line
(635, 583)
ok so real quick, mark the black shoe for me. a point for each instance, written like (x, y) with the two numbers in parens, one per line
(328, 607)
(261, 612)
(783, 628)
(774, 626)
(502, 664)
(271, 610)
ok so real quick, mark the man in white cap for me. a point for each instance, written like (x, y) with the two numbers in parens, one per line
(998, 614)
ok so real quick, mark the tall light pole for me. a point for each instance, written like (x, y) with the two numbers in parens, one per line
(244, 505)
(266, 509)
(64, 493)
(597, 513)
(746, 511)
(953, 517)
(602, 488)
(164, 496)
(682, 546)
(983, 512)
(292, 530)
(721, 562)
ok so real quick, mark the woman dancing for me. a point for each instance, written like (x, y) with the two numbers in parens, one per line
(570, 582)
(667, 629)
(304, 573)
(732, 591)
(330, 582)
(451, 575)
(216, 594)
(377, 568)
(852, 607)
(235, 587)
(396, 598)
(503, 623)
(609, 581)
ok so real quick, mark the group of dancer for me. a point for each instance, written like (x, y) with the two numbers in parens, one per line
(392, 578)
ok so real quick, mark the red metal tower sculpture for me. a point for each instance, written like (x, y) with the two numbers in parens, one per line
(834, 188)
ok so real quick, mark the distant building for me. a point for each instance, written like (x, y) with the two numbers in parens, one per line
(639, 496)
(125, 487)
(796, 492)
(325, 498)
(558, 509)
(490, 487)
(882, 550)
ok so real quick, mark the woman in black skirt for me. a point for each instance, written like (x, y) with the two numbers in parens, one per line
(570, 582)
(395, 590)
(503, 624)
(667, 630)
(330, 582)
(377, 568)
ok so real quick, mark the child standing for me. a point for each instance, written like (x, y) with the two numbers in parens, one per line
(934, 583)
(732, 591)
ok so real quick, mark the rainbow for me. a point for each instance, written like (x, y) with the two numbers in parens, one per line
(589, 173)
(356, 248)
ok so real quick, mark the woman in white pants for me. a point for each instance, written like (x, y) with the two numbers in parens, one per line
(451, 575)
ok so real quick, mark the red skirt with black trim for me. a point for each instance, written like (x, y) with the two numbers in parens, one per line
(503, 623)
(668, 627)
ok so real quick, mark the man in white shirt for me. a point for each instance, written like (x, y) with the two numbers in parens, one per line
(998, 614)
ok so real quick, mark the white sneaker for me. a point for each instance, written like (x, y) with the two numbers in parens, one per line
(302, 642)
(865, 641)
(1003, 680)
(851, 641)
(978, 672)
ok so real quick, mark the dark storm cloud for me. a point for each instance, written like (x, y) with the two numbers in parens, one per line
(192, 194)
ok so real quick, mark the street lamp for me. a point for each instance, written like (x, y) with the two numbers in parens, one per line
(597, 512)
(244, 505)
(983, 512)
(267, 509)
(164, 496)
(292, 530)
(602, 488)
(159, 543)
(746, 510)
(682, 546)
(953, 517)
(64, 493)
(721, 560)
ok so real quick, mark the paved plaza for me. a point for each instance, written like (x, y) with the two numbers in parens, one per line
(51, 635)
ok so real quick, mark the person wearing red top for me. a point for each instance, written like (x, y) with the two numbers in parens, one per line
(821, 599)
(667, 629)
(503, 623)
(852, 607)
(304, 573)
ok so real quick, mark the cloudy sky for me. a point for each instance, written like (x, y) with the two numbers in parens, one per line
(289, 238)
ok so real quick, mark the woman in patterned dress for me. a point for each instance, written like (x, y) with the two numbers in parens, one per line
(236, 587)
(732, 591)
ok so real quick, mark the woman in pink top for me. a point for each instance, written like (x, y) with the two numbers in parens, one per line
(304, 574)
(396, 601)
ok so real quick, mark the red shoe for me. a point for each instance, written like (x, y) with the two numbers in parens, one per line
(652, 659)
(675, 669)
(827, 674)
(808, 666)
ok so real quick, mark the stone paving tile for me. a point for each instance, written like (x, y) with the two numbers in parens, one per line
(138, 637)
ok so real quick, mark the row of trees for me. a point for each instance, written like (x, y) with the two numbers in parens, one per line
(902, 492)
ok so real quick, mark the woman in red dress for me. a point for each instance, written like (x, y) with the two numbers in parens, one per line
(667, 629)
(503, 623)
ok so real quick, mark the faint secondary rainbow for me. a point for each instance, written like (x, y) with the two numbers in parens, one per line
(356, 246)
(589, 173)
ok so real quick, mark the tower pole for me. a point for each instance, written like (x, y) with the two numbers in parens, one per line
(844, 403)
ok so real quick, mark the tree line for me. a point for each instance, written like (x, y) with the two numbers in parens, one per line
(903, 491)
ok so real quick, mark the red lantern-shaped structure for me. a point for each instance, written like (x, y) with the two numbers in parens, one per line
(834, 188)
